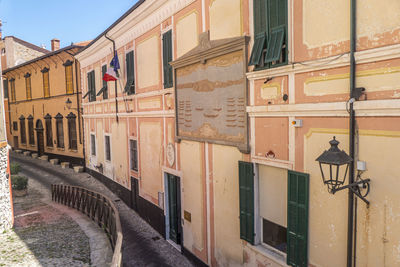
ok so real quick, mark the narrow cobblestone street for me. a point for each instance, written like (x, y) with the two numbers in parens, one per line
(142, 245)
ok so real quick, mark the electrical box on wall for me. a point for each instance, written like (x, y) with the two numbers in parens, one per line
(361, 165)
(297, 123)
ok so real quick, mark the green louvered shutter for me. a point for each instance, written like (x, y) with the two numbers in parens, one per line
(5, 88)
(105, 87)
(167, 58)
(260, 29)
(246, 201)
(297, 231)
(130, 72)
(93, 86)
(277, 13)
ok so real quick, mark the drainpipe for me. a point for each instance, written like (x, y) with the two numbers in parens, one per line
(115, 87)
(353, 40)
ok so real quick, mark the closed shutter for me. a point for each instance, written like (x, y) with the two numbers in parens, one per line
(93, 85)
(167, 58)
(130, 72)
(5, 88)
(246, 201)
(105, 87)
(297, 231)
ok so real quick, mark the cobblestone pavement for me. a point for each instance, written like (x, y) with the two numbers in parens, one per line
(142, 245)
(42, 235)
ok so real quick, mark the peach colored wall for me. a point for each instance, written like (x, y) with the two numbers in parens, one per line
(270, 92)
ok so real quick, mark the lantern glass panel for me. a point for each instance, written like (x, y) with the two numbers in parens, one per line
(333, 175)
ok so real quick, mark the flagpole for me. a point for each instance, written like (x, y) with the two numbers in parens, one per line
(115, 82)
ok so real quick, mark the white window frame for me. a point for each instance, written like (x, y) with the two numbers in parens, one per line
(93, 158)
(105, 146)
(137, 156)
(259, 245)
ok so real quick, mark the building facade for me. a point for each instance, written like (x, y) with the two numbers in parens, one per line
(217, 149)
(44, 103)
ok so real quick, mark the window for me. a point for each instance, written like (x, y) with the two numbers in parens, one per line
(28, 86)
(130, 74)
(31, 134)
(49, 130)
(104, 89)
(108, 147)
(133, 154)
(91, 86)
(15, 126)
(22, 129)
(167, 58)
(72, 139)
(59, 130)
(93, 144)
(46, 83)
(5, 88)
(69, 80)
(12, 87)
(282, 211)
(270, 33)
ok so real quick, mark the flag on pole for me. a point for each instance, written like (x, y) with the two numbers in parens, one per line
(112, 72)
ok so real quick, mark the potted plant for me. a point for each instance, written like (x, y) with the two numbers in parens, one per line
(19, 185)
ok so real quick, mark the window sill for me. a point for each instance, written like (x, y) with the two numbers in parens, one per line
(270, 253)
(61, 148)
(73, 150)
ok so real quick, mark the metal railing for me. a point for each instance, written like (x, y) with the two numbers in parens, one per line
(97, 207)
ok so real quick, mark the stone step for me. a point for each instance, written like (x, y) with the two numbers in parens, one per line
(35, 155)
(44, 157)
(55, 161)
(65, 165)
(78, 169)
(27, 153)
(18, 151)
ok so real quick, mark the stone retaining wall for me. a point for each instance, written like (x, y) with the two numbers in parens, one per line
(5, 194)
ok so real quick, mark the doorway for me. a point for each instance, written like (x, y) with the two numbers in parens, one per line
(40, 137)
(173, 216)
(15, 142)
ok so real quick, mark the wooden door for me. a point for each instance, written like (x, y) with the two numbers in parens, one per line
(174, 208)
(40, 142)
(15, 142)
(135, 193)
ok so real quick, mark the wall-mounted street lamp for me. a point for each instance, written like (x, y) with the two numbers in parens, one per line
(68, 104)
(334, 165)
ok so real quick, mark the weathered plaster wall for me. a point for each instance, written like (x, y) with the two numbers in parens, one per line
(226, 18)
(187, 32)
(6, 214)
(148, 63)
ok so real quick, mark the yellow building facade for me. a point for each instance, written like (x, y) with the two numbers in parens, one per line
(40, 119)
(217, 149)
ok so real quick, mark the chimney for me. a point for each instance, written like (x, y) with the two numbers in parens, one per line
(55, 44)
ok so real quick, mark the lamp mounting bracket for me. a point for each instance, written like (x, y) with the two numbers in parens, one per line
(355, 187)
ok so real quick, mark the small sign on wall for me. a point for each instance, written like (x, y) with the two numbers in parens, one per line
(187, 215)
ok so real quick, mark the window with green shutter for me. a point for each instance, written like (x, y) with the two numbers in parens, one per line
(246, 201)
(104, 88)
(91, 86)
(297, 216)
(130, 73)
(167, 58)
(270, 34)
(5, 88)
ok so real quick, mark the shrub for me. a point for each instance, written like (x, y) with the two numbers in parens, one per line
(19, 182)
(14, 168)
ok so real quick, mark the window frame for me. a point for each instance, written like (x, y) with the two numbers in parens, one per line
(60, 134)
(22, 129)
(69, 84)
(46, 81)
(12, 89)
(28, 86)
(104, 89)
(131, 157)
(93, 143)
(130, 74)
(168, 73)
(5, 88)
(71, 121)
(91, 82)
(262, 26)
(31, 132)
(109, 147)
(49, 130)
(15, 126)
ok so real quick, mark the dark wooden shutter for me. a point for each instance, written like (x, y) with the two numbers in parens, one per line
(297, 231)
(277, 25)
(130, 72)
(93, 83)
(105, 87)
(167, 57)
(246, 201)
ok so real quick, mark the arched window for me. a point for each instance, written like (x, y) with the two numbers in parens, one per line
(49, 130)
(60, 130)
(28, 85)
(31, 133)
(73, 142)
(22, 129)
(69, 80)
(46, 82)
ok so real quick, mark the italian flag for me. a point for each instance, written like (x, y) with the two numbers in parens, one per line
(110, 75)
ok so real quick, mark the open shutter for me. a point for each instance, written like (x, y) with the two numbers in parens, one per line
(130, 71)
(277, 24)
(297, 231)
(246, 199)
(5, 88)
(257, 49)
(275, 44)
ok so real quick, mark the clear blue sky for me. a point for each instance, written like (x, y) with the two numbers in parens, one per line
(39, 21)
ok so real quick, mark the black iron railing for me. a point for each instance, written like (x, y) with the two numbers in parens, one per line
(97, 207)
